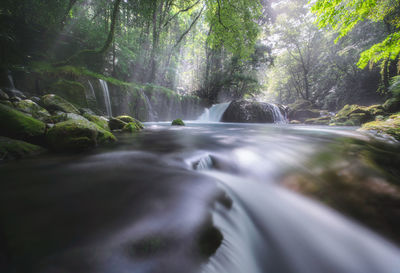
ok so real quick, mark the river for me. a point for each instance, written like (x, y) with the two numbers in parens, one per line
(286, 199)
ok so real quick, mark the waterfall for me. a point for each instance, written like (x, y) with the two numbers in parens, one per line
(92, 94)
(277, 114)
(214, 114)
(11, 80)
(149, 107)
(106, 94)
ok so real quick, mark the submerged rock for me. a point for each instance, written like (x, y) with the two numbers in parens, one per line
(178, 122)
(16, 149)
(17, 125)
(77, 135)
(55, 103)
(389, 128)
(33, 109)
(249, 112)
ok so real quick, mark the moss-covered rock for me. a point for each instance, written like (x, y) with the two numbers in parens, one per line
(33, 109)
(71, 91)
(392, 105)
(77, 135)
(16, 149)
(3, 95)
(16, 124)
(132, 127)
(389, 127)
(178, 122)
(98, 120)
(55, 103)
(318, 121)
(355, 115)
(60, 117)
(116, 124)
(7, 103)
(129, 119)
(302, 110)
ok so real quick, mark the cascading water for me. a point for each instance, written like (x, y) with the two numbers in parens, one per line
(214, 114)
(149, 107)
(277, 114)
(106, 94)
(11, 80)
(91, 96)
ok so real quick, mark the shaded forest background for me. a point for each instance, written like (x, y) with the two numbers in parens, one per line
(327, 53)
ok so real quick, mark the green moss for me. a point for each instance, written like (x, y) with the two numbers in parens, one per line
(132, 127)
(55, 103)
(77, 135)
(17, 125)
(355, 115)
(178, 122)
(390, 127)
(72, 91)
(98, 120)
(129, 119)
(31, 108)
(16, 149)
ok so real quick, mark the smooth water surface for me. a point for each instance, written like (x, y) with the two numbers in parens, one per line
(139, 205)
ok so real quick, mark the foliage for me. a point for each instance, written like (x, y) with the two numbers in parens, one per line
(343, 16)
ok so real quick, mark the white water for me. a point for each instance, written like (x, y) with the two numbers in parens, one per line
(92, 94)
(214, 114)
(106, 94)
(277, 114)
(11, 80)
(149, 107)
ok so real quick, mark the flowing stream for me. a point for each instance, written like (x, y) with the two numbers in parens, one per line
(106, 95)
(214, 114)
(138, 205)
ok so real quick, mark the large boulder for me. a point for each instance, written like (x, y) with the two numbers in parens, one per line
(116, 124)
(33, 109)
(302, 110)
(77, 135)
(99, 120)
(249, 112)
(16, 124)
(355, 115)
(16, 149)
(55, 103)
(129, 119)
(384, 128)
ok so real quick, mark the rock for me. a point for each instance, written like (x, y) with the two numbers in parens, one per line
(15, 99)
(355, 115)
(116, 124)
(295, 122)
(392, 105)
(11, 92)
(99, 120)
(86, 111)
(35, 99)
(128, 119)
(16, 149)
(318, 121)
(249, 112)
(383, 129)
(132, 127)
(302, 110)
(178, 122)
(31, 108)
(55, 103)
(17, 125)
(3, 95)
(77, 135)
(7, 103)
(60, 117)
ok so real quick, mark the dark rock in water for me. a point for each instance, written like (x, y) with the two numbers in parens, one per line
(15, 99)
(77, 135)
(116, 124)
(11, 92)
(31, 108)
(302, 110)
(17, 125)
(178, 122)
(248, 112)
(16, 149)
(132, 127)
(55, 103)
(3, 95)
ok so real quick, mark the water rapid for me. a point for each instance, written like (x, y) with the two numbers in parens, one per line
(106, 95)
(138, 206)
(214, 114)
